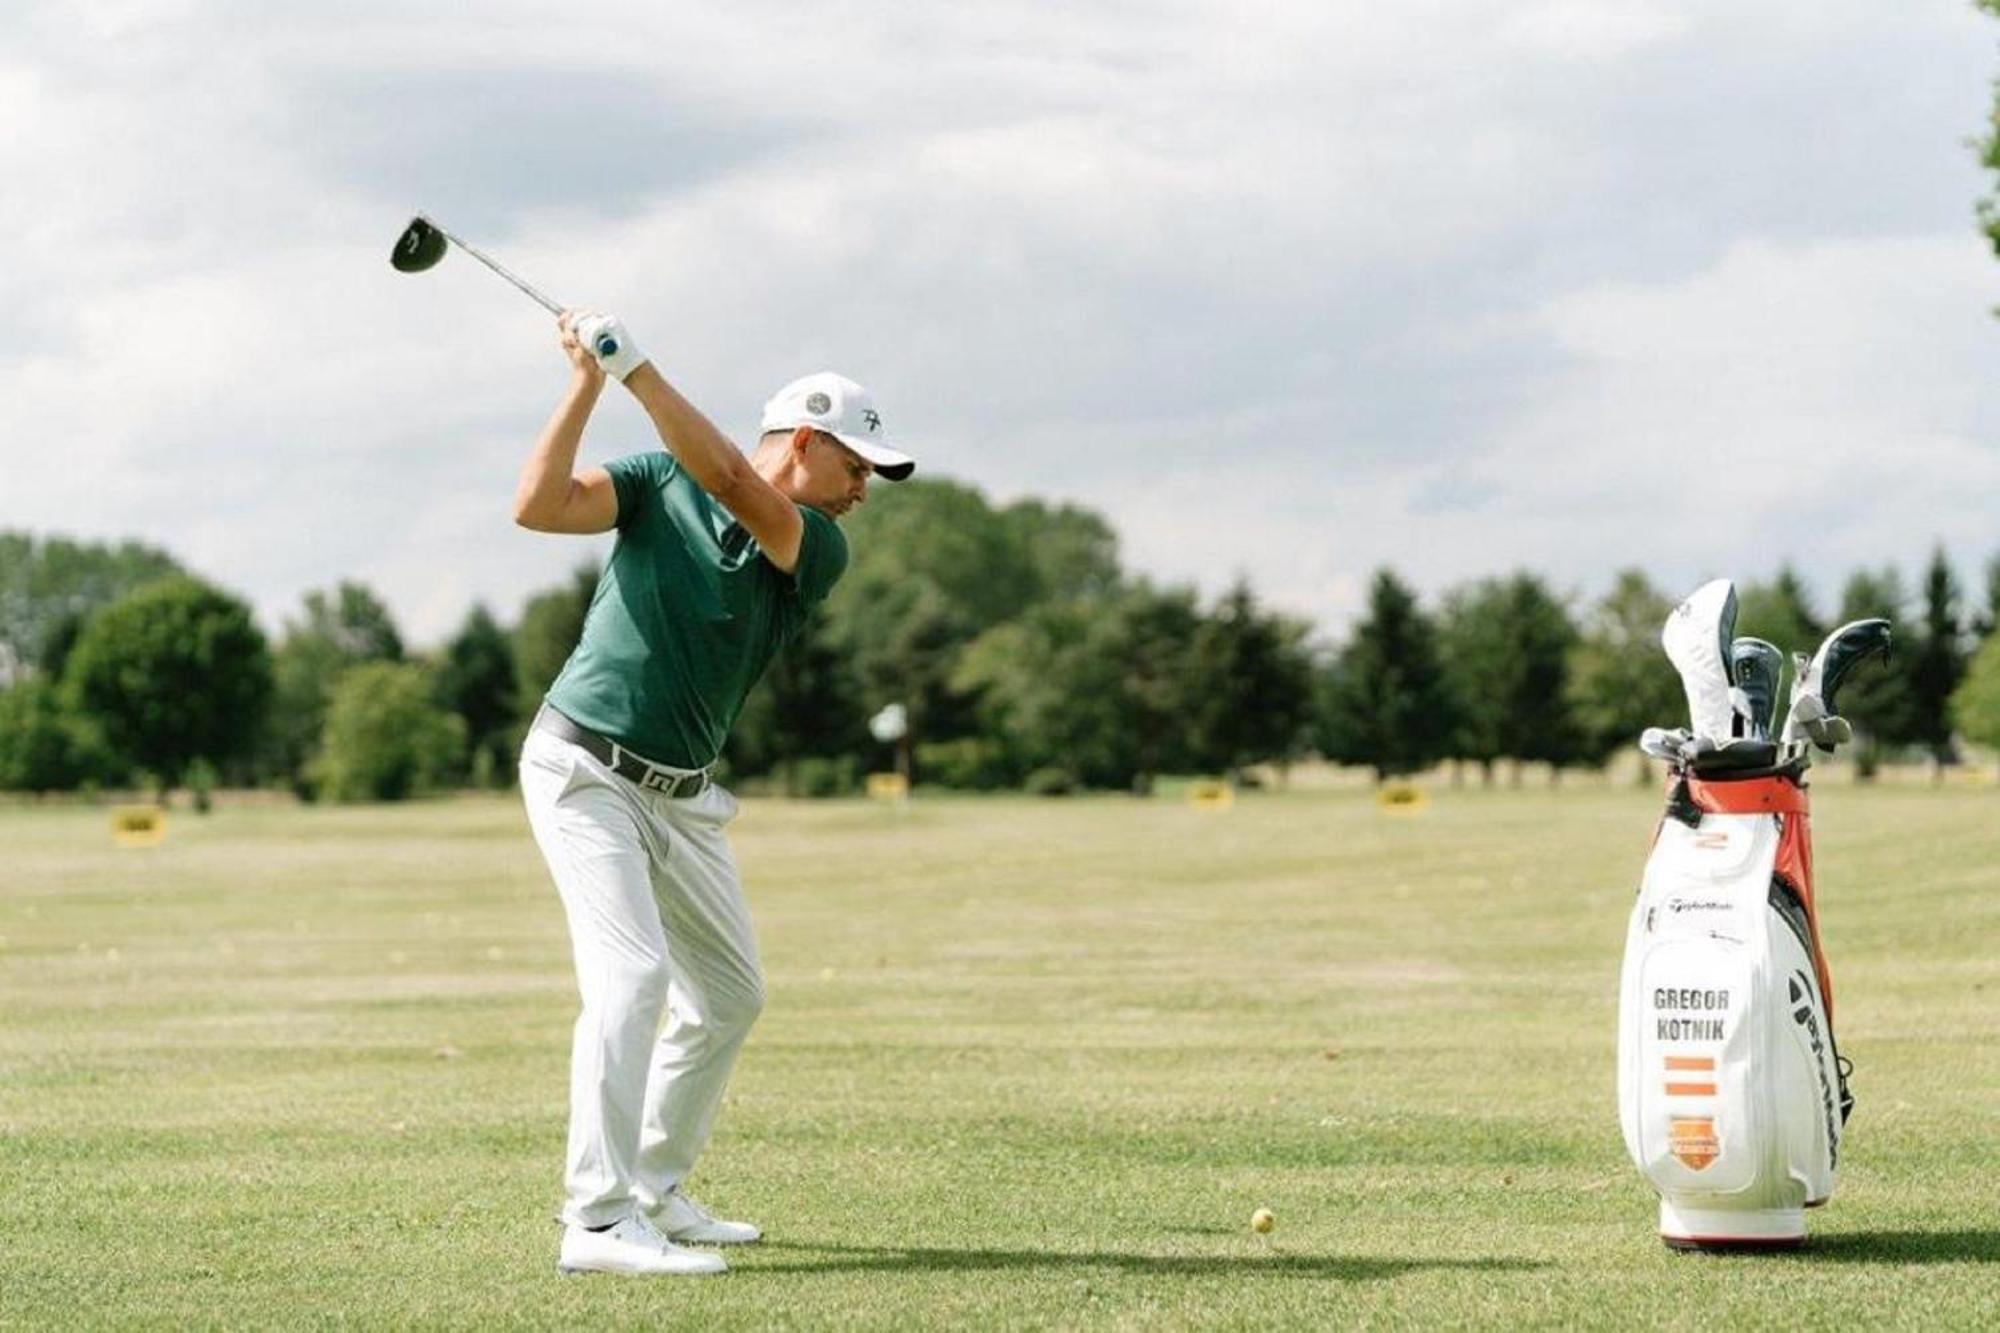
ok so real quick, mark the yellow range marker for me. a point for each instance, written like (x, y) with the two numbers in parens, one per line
(1402, 798)
(138, 825)
(888, 786)
(1211, 795)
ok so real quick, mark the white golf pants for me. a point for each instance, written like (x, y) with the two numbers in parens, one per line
(657, 922)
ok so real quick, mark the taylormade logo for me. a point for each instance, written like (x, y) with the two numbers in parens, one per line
(1806, 1015)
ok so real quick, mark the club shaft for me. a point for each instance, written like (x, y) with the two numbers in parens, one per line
(497, 267)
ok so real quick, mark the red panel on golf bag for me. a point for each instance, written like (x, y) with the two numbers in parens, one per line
(1786, 799)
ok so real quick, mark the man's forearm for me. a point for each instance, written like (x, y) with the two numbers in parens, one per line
(716, 465)
(549, 474)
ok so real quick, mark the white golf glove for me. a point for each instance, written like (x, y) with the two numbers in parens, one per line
(597, 332)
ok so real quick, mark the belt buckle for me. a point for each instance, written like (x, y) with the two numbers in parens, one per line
(674, 786)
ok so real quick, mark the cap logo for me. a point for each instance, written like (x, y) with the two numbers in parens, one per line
(873, 418)
(818, 404)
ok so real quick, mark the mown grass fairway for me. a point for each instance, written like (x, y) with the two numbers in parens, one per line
(1024, 1063)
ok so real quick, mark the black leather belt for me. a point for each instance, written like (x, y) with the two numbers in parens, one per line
(674, 783)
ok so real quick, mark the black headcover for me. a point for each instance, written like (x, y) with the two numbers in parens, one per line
(1756, 666)
(1845, 649)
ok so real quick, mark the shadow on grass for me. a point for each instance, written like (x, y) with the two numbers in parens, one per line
(1902, 1247)
(886, 1259)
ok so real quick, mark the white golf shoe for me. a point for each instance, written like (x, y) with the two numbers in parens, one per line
(684, 1220)
(635, 1249)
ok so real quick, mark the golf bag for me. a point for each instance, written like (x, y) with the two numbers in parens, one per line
(1731, 1094)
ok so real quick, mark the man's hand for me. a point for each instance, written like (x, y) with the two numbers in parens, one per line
(579, 356)
(596, 332)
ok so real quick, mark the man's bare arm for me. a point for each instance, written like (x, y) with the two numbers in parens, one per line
(720, 468)
(550, 497)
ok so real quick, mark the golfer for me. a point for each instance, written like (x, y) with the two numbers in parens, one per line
(718, 560)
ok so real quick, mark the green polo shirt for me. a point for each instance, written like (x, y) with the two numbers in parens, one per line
(688, 613)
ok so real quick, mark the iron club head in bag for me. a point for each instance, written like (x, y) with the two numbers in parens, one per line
(423, 244)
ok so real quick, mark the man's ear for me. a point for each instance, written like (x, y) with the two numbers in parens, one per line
(802, 436)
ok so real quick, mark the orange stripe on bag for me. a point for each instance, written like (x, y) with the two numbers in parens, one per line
(1691, 1062)
(1690, 1089)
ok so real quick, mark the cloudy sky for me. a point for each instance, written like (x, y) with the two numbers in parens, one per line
(1286, 290)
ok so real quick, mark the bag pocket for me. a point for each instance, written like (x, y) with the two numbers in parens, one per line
(1687, 1079)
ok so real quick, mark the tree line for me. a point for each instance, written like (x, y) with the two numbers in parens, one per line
(1023, 654)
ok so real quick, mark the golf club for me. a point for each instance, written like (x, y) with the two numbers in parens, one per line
(1697, 638)
(422, 245)
(1757, 667)
(1839, 653)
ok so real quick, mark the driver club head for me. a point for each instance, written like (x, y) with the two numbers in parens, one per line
(419, 247)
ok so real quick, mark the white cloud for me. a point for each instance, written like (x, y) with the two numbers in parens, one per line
(1289, 290)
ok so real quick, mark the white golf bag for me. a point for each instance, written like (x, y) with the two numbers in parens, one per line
(1732, 1097)
(1730, 1091)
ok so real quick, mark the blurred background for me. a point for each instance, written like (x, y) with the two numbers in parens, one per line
(1322, 380)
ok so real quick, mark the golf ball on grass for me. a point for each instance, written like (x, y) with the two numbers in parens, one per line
(1262, 1221)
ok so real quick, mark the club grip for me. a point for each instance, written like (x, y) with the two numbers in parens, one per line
(607, 345)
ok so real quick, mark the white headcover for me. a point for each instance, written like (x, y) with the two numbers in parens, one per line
(1697, 637)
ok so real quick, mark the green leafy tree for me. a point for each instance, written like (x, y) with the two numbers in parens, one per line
(1048, 695)
(1938, 663)
(476, 680)
(174, 672)
(386, 738)
(1250, 685)
(1780, 613)
(1988, 618)
(1507, 645)
(944, 534)
(932, 566)
(1148, 633)
(45, 745)
(49, 587)
(807, 707)
(1099, 690)
(551, 624)
(1071, 551)
(1876, 699)
(59, 641)
(1989, 154)
(1472, 646)
(910, 656)
(1620, 681)
(335, 632)
(1385, 702)
(1975, 705)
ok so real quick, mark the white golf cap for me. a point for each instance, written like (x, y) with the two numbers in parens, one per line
(843, 409)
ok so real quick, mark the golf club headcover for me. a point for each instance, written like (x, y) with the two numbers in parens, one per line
(608, 341)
